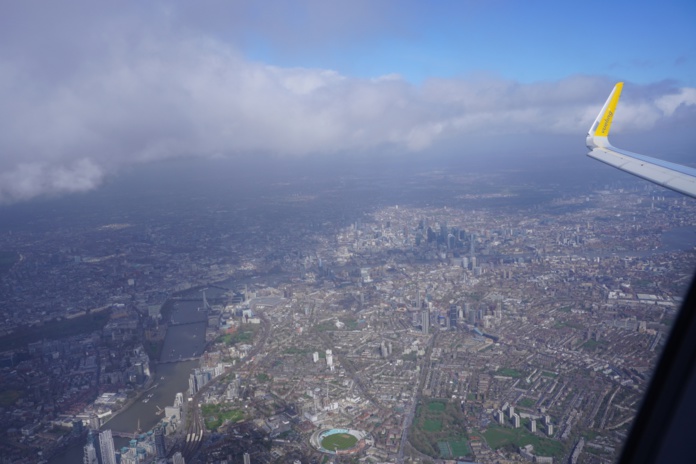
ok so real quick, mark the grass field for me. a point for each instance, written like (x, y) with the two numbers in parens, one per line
(432, 425)
(507, 372)
(245, 334)
(439, 430)
(459, 448)
(339, 441)
(527, 402)
(215, 415)
(436, 406)
(497, 437)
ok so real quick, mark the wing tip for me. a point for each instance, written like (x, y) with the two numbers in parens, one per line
(599, 131)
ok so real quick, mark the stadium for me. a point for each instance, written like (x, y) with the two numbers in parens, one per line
(339, 441)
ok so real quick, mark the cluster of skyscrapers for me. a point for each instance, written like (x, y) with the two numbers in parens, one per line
(133, 454)
(107, 452)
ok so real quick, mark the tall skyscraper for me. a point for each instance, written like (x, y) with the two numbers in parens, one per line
(160, 443)
(247, 458)
(178, 458)
(106, 447)
(90, 456)
(453, 315)
(425, 321)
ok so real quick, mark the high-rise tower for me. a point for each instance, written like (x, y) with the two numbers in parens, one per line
(106, 447)
(90, 456)
(160, 443)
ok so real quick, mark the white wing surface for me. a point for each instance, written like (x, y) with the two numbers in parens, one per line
(670, 175)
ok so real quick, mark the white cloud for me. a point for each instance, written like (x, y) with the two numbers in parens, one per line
(27, 180)
(669, 103)
(151, 94)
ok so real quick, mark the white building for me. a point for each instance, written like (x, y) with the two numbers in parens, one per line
(106, 445)
(90, 456)
(516, 421)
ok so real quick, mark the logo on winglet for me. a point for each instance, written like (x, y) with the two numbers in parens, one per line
(607, 122)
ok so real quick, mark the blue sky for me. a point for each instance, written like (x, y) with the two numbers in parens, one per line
(89, 89)
(528, 41)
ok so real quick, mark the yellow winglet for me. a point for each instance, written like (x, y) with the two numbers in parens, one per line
(607, 115)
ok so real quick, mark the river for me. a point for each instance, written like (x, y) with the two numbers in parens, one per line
(185, 339)
(679, 238)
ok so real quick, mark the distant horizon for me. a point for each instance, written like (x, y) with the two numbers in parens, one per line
(223, 182)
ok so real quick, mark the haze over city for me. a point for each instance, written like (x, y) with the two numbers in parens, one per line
(315, 231)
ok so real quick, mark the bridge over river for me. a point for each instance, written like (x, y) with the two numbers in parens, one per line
(130, 436)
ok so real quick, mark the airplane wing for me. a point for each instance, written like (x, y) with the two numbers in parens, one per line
(673, 176)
